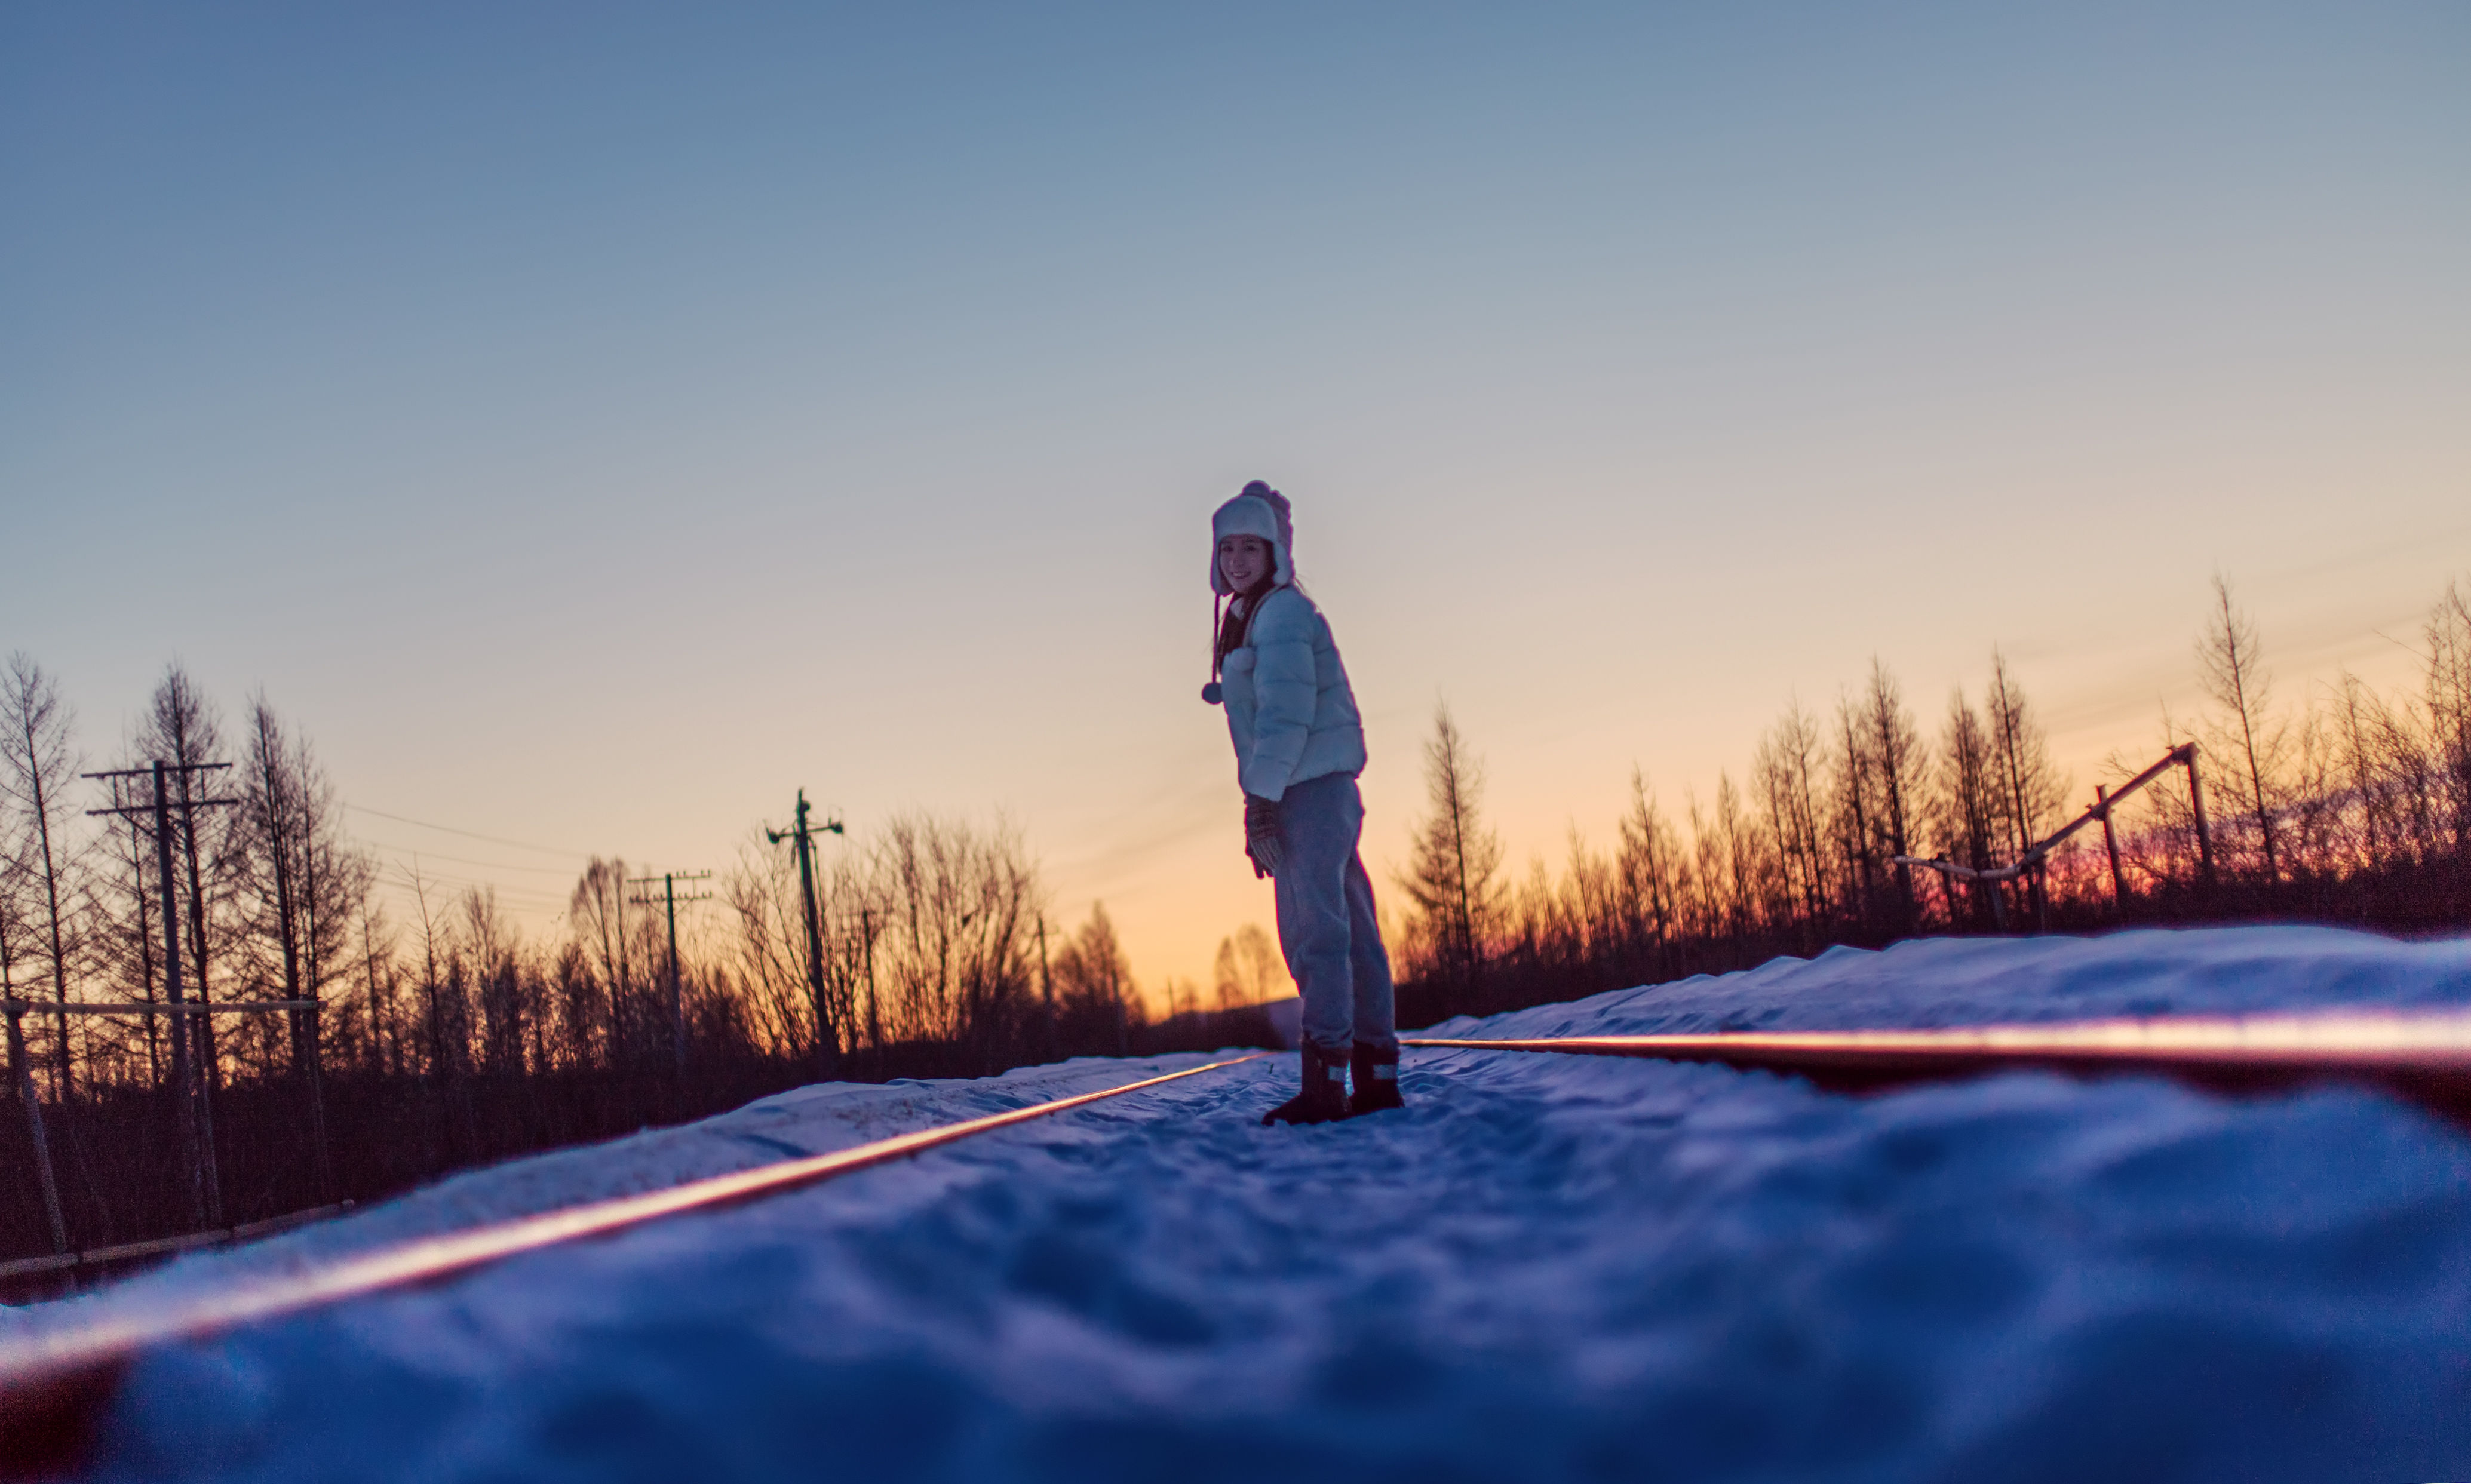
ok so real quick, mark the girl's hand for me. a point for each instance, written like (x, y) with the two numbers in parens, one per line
(1261, 835)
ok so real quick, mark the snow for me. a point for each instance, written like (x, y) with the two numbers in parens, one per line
(1546, 1267)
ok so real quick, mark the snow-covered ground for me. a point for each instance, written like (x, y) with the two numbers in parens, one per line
(1546, 1267)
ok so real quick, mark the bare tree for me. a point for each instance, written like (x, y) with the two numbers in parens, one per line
(1454, 864)
(1968, 798)
(1785, 772)
(597, 911)
(385, 1048)
(38, 765)
(2448, 705)
(955, 913)
(1249, 970)
(438, 1021)
(1597, 912)
(1853, 809)
(2028, 787)
(2355, 717)
(1652, 874)
(2230, 660)
(180, 728)
(308, 880)
(1548, 927)
(770, 944)
(13, 878)
(1895, 751)
(126, 939)
(2315, 820)
(496, 953)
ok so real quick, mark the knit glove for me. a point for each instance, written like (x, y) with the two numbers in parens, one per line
(1261, 835)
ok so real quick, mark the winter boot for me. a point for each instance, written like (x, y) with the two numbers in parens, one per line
(1325, 1092)
(1377, 1081)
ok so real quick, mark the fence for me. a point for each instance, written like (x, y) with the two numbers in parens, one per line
(2035, 860)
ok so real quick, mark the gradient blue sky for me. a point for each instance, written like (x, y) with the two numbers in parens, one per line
(592, 423)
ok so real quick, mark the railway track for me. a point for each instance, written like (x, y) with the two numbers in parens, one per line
(2424, 1057)
(55, 1388)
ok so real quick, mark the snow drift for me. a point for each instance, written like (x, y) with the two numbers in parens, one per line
(1546, 1267)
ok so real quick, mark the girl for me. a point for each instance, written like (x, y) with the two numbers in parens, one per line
(1299, 748)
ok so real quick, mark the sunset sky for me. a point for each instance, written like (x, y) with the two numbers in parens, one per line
(595, 423)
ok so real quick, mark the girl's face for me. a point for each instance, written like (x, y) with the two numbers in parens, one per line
(1243, 561)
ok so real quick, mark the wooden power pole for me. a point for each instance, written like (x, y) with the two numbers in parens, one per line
(669, 899)
(197, 1153)
(828, 1049)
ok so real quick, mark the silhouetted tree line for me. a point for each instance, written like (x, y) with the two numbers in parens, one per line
(441, 1033)
(2353, 807)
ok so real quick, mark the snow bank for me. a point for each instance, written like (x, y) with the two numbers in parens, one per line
(1546, 1267)
(1961, 982)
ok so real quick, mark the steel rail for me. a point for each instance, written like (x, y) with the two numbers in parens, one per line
(2424, 1056)
(53, 1386)
(164, 1246)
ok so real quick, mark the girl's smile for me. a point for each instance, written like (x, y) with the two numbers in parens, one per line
(1243, 561)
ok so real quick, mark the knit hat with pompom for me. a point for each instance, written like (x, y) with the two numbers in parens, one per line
(1258, 511)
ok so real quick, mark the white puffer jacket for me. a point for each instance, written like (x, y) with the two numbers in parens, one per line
(1289, 708)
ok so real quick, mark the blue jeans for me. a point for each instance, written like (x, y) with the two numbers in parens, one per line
(1326, 928)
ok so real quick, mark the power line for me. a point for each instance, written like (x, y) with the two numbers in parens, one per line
(408, 866)
(448, 829)
(491, 865)
(457, 884)
(401, 877)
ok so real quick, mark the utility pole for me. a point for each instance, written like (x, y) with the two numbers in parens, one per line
(145, 945)
(669, 899)
(25, 1080)
(208, 1061)
(874, 1015)
(2197, 806)
(828, 1051)
(2110, 848)
(1047, 990)
(197, 1152)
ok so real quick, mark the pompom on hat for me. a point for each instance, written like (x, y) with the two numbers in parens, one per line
(1258, 511)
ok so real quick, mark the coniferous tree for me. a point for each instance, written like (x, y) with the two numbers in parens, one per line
(1454, 864)
(1094, 993)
